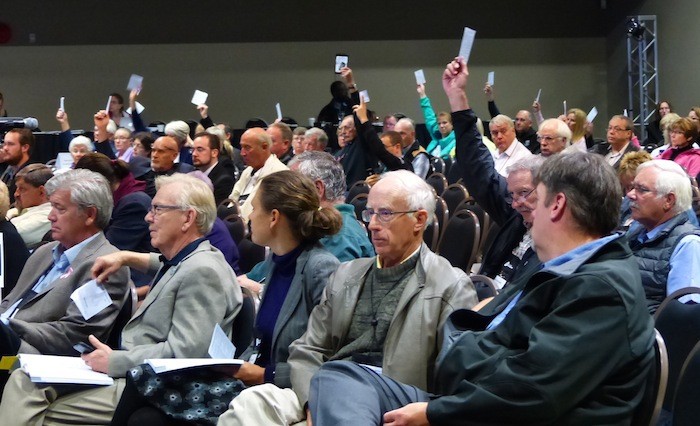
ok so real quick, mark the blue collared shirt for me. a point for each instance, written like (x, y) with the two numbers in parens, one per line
(567, 261)
(62, 259)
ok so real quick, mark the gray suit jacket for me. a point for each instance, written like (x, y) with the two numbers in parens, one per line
(50, 323)
(177, 318)
(313, 270)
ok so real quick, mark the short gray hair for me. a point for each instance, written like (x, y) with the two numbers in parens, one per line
(81, 140)
(318, 165)
(671, 178)
(502, 119)
(87, 189)
(320, 135)
(531, 163)
(560, 128)
(417, 193)
(193, 194)
(408, 121)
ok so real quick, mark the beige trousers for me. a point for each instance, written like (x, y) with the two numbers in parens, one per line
(25, 403)
(264, 405)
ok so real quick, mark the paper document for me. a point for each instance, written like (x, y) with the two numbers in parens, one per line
(160, 365)
(61, 369)
(62, 103)
(592, 114)
(135, 82)
(420, 77)
(91, 298)
(491, 77)
(199, 97)
(539, 92)
(565, 110)
(221, 346)
(109, 102)
(364, 96)
(467, 42)
(279, 111)
(139, 108)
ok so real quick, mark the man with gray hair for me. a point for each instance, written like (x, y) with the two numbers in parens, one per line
(386, 311)
(39, 315)
(31, 212)
(412, 150)
(553, 137)
(666, 245)
(509, 149)
(180, 131)
(315, 139)
(194, 290)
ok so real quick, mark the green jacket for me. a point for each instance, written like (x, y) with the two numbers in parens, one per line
(575, 349)
(447, 143)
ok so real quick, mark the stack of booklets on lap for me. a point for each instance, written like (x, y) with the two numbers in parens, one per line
(61, 369)
(163, 365)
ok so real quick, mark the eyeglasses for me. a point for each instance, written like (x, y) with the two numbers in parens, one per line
(159, 209)
(547, 139)
(383, 215)
(617, 129)
(640, 189)
(522, 195)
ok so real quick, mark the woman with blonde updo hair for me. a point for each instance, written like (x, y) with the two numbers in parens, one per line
(288, 218)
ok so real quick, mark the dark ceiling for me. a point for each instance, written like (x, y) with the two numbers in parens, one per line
(73, 22)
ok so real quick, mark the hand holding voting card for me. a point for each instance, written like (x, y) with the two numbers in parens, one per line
(420, 77)
(341, 61)
(491, 78)
(592, 114)
(279, 111)
(539, 92)
(135, 82)
(467, 42)
(199, 97)
(91, 298)
(364, 96)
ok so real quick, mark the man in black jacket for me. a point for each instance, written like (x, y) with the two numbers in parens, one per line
(205, 157)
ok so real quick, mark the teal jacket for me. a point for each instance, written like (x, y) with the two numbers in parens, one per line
(447, 143)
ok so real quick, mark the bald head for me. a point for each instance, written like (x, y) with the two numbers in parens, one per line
(163, 153)
(407, 130)
(523, 121)
(255, 147)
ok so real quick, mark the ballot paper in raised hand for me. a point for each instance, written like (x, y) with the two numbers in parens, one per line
(91, 298)
(364, 96)
(199, 97)
(420, 77)
(109, 102)
(539, 92)
(467, 42)
(62, 103)
(139, 108)
(592, 114)
(491, 78)
(279, 111)
(565, 110)
(135, 82)
(221, 346)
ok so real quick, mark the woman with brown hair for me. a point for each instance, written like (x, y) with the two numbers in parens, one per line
(287, 217)
(684, 133)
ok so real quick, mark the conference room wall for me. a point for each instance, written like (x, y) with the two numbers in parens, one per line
(246, 80)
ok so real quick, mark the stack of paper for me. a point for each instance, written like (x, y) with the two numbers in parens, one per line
(161, 365)
(61, 369)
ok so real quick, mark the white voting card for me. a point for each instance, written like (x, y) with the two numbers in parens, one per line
(221, 346)
(135, 82)
(467, 42)
(364, 95)
(491, 77)
(420, 77)
(199, 97)
(91, 298)
(592, 114)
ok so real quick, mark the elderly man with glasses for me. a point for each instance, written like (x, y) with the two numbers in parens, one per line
(620, 133)
(194, 290)
(385, 312)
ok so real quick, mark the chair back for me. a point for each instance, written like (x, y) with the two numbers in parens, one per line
(484, 221)
(453, 195)
(431, 235)
(235, 226)
(438, 165)
(442, 215)
(454, 174)
(647, 412)
(460, 240)
(250, 255)
(438, 181)
(359, 203)
(243, 329)
(223, 210)
(687, 392)
(128, 308)
(679, 324)
(359, 187)
(485, 286)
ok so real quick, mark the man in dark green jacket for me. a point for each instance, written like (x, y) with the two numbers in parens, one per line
(571, 344)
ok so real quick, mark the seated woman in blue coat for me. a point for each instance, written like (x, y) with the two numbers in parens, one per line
(287, 217)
